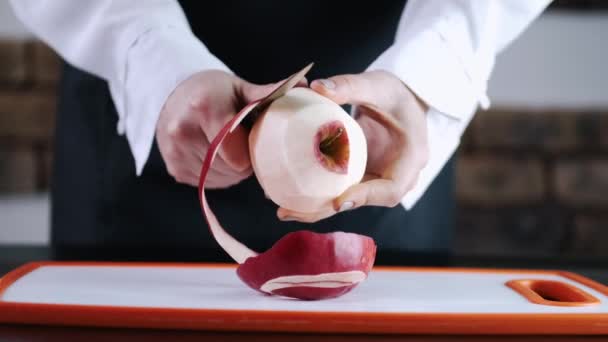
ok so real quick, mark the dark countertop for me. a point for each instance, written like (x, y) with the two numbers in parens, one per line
(14, 256)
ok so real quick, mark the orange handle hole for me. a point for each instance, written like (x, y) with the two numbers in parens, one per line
(552, 292)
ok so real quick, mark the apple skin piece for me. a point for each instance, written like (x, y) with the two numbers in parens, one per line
(308, 255)
(303, 264)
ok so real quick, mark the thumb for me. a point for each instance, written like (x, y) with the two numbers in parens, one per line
(348, 88)
(375, 192)
(234, 150)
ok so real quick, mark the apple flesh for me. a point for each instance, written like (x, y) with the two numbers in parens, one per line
(306, 150)
(303, 264)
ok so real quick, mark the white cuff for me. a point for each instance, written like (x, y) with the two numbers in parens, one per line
(436, 72)
(443, 133)
(157, 62)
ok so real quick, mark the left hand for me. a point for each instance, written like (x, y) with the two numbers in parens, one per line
(393, 119)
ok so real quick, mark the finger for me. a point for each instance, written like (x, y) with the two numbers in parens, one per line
(197, 154)
(388, 122)
(221, 178)
(219, 181)
(220, 175)
(234, 178)
(223, 168)
(181, 164)
(184, 165)
(234, 150)
(193, 151)
(348, 88)
(222, 181)
(389, 189)
(188, 146)
(376, 192)
(289, 215)
(184, 176)
(235, 147)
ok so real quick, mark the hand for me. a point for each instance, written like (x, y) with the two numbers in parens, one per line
(193, 115)
(394, 122)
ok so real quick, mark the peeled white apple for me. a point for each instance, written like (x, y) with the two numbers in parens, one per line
(306, 150)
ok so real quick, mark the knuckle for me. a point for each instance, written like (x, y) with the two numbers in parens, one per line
(422, 158)
(200, 103)
(181, 177)
(242, 175)
(172, 170)
(393, 198)
(177, 173)
(176, 130)
(349, 82)
(172, 151)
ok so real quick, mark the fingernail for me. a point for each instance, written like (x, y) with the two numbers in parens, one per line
(347, 206)
(329, 84)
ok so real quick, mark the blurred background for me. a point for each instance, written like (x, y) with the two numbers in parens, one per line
(532, 172)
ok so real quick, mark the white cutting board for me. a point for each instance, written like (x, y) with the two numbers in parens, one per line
(194, 296)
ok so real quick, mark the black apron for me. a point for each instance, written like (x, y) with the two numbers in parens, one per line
(97, 200)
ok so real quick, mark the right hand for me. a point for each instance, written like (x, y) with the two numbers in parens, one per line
(193, 115)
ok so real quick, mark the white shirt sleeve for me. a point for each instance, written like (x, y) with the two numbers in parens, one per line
(142, 50)
(444, 51)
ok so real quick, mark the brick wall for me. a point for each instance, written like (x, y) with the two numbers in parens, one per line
(528, 183)
(29, 73)
(534, 183)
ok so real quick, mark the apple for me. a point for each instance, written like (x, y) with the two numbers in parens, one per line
(306, 150)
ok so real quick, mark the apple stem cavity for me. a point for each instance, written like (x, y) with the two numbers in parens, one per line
(333, 150)
(327, 146)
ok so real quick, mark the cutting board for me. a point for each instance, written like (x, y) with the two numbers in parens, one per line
(391, 300)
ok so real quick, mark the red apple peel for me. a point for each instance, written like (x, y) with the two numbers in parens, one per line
(303, 264)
